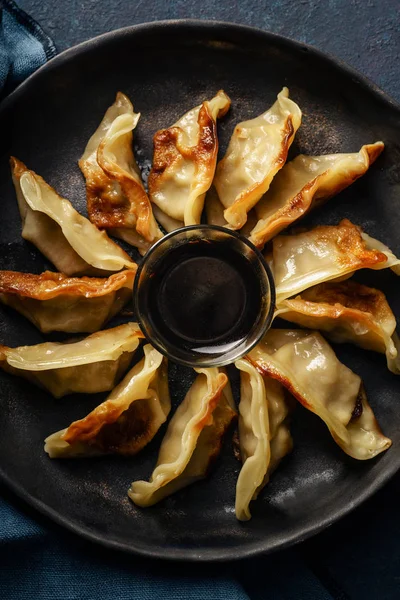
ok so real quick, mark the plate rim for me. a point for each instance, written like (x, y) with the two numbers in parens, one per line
(82, 47)
(203, 555)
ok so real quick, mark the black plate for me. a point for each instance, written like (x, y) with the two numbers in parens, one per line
(167, 68)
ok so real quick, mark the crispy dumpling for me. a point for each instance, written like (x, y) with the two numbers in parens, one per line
(307, 182)
(307, 366)
(90, 365)
(193, 438)
(116, 198)
(264, 435)
(69, 240)
(347, 312)
(323, 253)
(185, 156)
(393, 262)
(126, 421)
(55, 302)
(257, 150)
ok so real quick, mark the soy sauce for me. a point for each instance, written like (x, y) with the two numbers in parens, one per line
(204, 294)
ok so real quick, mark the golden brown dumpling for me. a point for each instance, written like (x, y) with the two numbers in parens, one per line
(185, 157)
(69, 240)
(55, 302)
(116, 198)
(347, 312)
(307, 182)
(264, 436)
(193, 438)
(126, 421)
(324, 253)
(307, 366)
(90, 365)
(257, 150)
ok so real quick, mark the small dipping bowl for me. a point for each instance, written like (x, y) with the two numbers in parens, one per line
(204, 296)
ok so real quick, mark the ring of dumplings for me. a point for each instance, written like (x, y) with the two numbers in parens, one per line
(252, 189)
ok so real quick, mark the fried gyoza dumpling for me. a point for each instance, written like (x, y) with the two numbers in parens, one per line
(193, 438)
(303, 184)
(264, 435)
(71, 242)
(93, 364)
(307, 366)
(55, 302)
(116, 198)
(324, 253)
(257, 150)
(124, 423)
(347, 312)
(185, 156)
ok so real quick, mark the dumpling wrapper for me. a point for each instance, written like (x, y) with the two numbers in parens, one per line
(193, 438)
(347, 312)
(69, 240)
(185, 157)
(126, 421)
(215, 213)
(116, 198)
(168, 223)
(214, 209)
(264, 435)
(257, 150)
(55, 302)
(305, 183)
(90, 365)
(306, 365)
(323, 253)
(393, 262)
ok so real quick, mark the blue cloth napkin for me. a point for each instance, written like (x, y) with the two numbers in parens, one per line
(24, 46)
(357, 559)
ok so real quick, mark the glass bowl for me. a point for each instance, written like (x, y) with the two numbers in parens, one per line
(204, 296)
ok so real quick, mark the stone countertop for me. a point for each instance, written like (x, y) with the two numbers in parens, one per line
(363, 33)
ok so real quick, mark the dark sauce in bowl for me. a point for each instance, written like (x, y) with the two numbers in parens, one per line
(201, 294)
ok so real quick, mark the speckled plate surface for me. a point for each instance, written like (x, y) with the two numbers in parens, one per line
(166, 68)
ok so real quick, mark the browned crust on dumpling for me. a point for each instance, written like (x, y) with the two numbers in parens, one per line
(300, 204)
(269, 370)
(103, 210)
(138, 203)
(127, 434)
(334, 307)
(18, 168)
(49, 285)
(287, 139)
(111, 429)
(266, 369)
(220, 383)
(107, 209)
(223, 416)
(168, 148)
(348, 295)
(349, 241)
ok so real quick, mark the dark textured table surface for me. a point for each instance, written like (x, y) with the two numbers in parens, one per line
(366, 35)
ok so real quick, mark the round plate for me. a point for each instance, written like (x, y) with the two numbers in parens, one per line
(167, 68)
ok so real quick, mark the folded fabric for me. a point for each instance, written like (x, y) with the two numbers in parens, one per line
(24, 46)
(40, 561)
